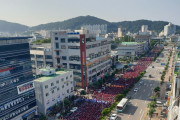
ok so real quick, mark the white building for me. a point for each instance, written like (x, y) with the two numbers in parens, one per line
(169, 29)
(52, 88)
(132, 49)
(121, 32)
(88, 56)
(41, 55)
(96, 29)
(144, 28)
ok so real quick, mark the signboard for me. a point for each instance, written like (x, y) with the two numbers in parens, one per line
(25, 87)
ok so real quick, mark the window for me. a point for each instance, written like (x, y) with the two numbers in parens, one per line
(63, 86)
(71, 88)
(63, 40)
(71, 82)
(52, 84)
(68, 91)
(56, 38)
(58, 89)
(66, 77)
(62, 79)
(67, 84)
(47, 94)
(48, 57)
(70, 76)
(63, 47)
(52, 91)
(46, 86)
(58, 60)
(64, 57)
(57, 52)
(57, 81)
(57, 45)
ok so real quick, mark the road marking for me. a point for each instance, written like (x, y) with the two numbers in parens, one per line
(140, 111)
(142, 115)
(136, 104)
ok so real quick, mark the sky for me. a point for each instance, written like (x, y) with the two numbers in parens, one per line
(35, 12)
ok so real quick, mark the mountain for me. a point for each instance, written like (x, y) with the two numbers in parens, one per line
(12, 27)
(77, 22)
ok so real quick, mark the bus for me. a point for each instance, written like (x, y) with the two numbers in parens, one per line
(122, 105)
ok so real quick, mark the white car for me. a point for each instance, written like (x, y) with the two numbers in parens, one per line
(113, 117)
(74, 109)
(135, 89)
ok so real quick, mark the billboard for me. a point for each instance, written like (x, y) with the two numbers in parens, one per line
(25, 87)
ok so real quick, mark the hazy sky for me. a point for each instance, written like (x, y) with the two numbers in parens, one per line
(34, 12)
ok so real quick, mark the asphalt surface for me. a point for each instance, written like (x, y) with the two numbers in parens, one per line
(140, 99)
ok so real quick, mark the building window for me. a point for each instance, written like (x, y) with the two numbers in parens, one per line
(62, 79)
(71, 82)
(71, 88)
(66, 77)
(52, 91)
(48, 57)
(46, 86)
(57, 81)
(56, 38)
(68, 91)
(58, 60)
(63, 40)
(57, 52)
(58, 89)
(67, 84)
(47, 94)
(57, 45)
(70, 76)
(52, 84)
(63, 47)
(64, 57)
(63, 86)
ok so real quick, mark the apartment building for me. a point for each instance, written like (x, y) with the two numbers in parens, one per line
(41, 55)
(87, 55)
(17, 96)
(52, 87)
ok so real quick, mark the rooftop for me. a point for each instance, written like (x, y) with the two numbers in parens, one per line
(45, 78)
(14, 38)
(129, 43)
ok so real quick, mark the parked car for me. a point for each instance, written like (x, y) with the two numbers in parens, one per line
(74, 109)
(150, 76)
(135, 89)
(113, 117)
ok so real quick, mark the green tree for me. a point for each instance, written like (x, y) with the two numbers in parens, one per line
(157, 89)
(42, 117)
(83, 92)
(106, 111)
(66, 102)
(119, 97)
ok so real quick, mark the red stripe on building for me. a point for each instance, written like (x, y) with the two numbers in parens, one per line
(3, 70)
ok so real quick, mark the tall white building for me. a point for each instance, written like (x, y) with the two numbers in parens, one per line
(121, 32)
(88, 56)
(52, 88)
(96, 29)
(169, 29)
(144, 28)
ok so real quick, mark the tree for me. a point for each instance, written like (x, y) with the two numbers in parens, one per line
(66, 102)
(151, 111)
(83, 92)
(42, 117)
(119, 97)
(106, 111)
(157, 89)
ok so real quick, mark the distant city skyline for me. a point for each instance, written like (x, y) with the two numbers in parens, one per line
(35, 12)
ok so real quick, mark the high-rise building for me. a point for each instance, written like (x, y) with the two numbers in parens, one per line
(169, 29)
(121, 32)
(17, 96)
(88, 56)
(144, 28)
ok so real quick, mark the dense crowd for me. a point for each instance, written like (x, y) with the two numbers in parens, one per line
(91, 109)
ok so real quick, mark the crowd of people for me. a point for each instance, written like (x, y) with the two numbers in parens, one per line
(106, 96)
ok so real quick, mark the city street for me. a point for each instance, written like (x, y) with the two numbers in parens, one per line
(140, 99)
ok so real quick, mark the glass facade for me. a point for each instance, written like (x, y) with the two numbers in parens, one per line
(16, 86)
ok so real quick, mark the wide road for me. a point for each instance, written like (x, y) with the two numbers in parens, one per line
(139, 101)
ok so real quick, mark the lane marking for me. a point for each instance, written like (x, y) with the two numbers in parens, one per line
(140, 111)
(142, 115)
